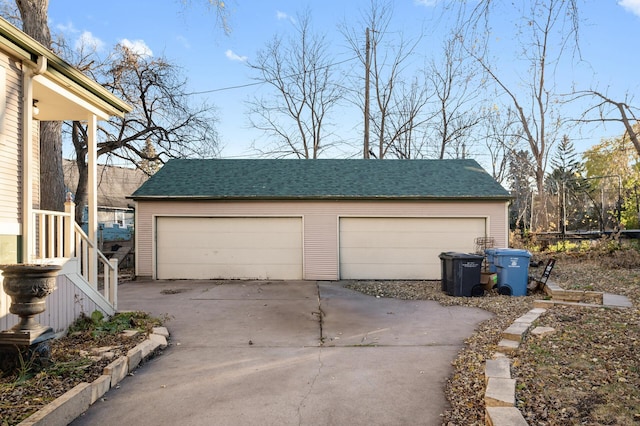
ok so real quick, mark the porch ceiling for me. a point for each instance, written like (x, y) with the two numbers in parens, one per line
(57, 103)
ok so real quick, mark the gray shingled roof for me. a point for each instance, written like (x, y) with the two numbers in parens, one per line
(321, 179)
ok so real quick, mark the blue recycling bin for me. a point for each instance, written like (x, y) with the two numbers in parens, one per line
(491, 253)
(512, 266)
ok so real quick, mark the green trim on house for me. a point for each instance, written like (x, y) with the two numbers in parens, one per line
(288, 179)
(9, 252)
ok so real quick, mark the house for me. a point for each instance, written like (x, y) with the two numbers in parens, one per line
(313, 219)
(115, 212)
(38, 85)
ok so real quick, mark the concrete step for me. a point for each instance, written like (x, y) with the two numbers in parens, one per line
(500, 392)
(504, 416)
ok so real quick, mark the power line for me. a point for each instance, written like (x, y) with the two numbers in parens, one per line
(242, 86)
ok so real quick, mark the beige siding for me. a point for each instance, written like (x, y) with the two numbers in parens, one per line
(320, 242)
(35, 167)
(320, 219)
(10, 147)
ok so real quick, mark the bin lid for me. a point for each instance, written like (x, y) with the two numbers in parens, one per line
(447, 255)
(470, 256)
(512, 252)
(456, 255)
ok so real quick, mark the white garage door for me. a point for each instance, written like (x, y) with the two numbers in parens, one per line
(402, 248)
(228, 248)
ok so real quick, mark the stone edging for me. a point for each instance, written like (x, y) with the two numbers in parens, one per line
(500, 391)
(499, 396)
(66, 408)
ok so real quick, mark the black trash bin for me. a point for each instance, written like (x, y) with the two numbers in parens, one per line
(461, 274)
(446, 267)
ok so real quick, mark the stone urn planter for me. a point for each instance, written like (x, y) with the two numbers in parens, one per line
(28, 285)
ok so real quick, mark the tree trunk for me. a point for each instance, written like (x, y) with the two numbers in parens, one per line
(79, 139)
(81, 189)
(34, 20)
(35, 23)
(52, 189)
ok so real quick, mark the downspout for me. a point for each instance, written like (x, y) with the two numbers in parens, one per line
(28, 228)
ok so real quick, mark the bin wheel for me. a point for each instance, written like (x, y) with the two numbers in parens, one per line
(477, 290)
(504, 290)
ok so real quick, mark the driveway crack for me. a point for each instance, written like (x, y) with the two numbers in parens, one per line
(320, 315)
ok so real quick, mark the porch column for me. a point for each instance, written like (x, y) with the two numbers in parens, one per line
(92, 197)
(28, 228)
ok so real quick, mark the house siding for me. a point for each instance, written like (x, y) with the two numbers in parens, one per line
(320, 223)
(11, 184)
(10, 149)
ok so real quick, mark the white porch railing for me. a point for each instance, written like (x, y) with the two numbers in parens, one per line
(57, 235)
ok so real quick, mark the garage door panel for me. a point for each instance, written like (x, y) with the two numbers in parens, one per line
(229, 240)
(241, 248)
(382, 272)
(247, 257)
(203, 272)
(402, 248)
(388, 239)
(405, 256)
(231, 256)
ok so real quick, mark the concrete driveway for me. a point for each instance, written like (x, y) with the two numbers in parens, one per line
(287, 353)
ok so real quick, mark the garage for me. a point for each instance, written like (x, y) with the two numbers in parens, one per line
(402, 248)
(324, 219)
(229, 247)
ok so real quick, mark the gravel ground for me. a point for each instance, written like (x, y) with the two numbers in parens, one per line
(587, 373)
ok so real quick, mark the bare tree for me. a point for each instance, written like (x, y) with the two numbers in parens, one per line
(404, 125)
(163, 124)
(500, 132)
(34, 18)
(300, 74)
(386, 61)
(521, 176)
(607, 110)
(456, 107)
(9, 11)
(33, 14)
(535, 107)
(221, 9)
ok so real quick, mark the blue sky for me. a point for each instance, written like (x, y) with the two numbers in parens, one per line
(212, 61)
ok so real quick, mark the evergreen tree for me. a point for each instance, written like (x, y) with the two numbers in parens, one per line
(566, 181)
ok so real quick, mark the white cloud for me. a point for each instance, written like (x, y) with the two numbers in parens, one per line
(184, 41)
(67, 28)
(137, 46)
(280, 16)
(632, 6)
(89, 41)
(426, 2)
(235, 57)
